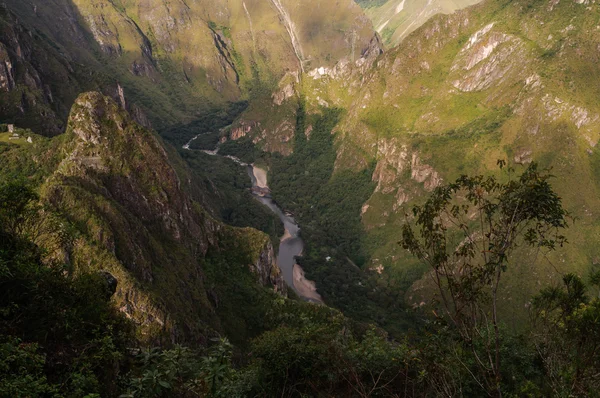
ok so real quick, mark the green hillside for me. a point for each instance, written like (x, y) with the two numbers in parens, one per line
(173, 61)
(396, 19)
(467, 89)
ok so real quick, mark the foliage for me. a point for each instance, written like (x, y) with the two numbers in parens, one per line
(210, 122)
(223, 188)
(370, 3)
(328, 205)
(60, 333)
(316, 351)
(566, 334)
(182, 372)
(22, 370)
(466, 233)
(244, 149)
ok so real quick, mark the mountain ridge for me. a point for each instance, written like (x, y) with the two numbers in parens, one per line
(396, 19)
(171, 68)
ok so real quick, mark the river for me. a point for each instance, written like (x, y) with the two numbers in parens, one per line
(291, 245)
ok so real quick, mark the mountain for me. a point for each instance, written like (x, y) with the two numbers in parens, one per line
(141, 225)
(175, 61)
(396, 19)
(500, 80)
(133, 262)
(143, 213)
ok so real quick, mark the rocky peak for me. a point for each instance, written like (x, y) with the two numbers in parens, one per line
(118, 184)
(108, 141)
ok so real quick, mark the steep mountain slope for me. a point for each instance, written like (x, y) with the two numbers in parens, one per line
(396, 19)
(175, 61)
(182, 67)
(141, 224)
(352, 137)
(511, 80)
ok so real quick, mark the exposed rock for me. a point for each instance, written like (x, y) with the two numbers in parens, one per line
(7, 79)
(225, 60)
(364, 209)
(401, 198)
(243, 128)
(140, 116)
(524, 156)
(141, 69)
(267, 270)
(104, 36)
(393, 159)
(374, 49)
(423, 173)
(287, 88)
(282, 95)
(308, 131)
(285, 131)
(102, 130)
(121, 96)
(486, 59)
(111, 282)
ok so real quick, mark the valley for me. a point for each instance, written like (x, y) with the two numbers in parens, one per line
(370, 198)
(291, 245)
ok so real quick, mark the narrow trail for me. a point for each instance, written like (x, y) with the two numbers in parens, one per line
(398, 10)
(423, 11)
(291, 29)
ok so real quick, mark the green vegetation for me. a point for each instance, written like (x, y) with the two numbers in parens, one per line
(223, 188)
(370, 3)
(61, 336)
(396, 19)
(467, 233)
(327, 205)
(567, 337)
(129, 268)
(59, 332)
(209, 123)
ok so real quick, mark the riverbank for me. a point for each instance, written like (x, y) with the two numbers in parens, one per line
(304, 287)
(261, 177)
(291, 245)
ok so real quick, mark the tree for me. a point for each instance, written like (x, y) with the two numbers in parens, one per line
(466, 232)
(566, 334)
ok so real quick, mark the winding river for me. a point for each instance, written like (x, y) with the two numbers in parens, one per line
(291, 245)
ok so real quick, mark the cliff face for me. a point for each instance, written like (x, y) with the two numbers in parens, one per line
(118, 188)
(33, 74)
(175, 60)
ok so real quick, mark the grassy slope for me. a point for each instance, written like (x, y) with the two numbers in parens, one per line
(409, 102)
(396, 19)
(175, 60)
